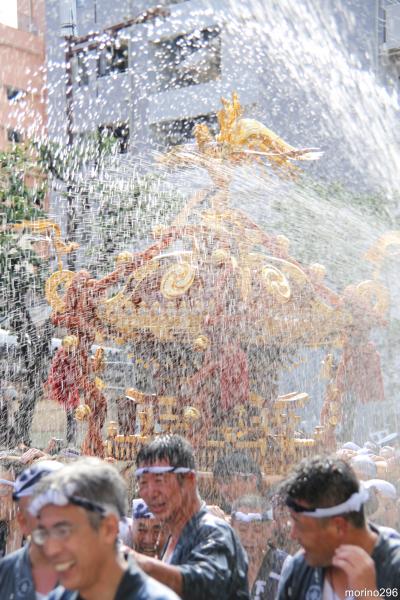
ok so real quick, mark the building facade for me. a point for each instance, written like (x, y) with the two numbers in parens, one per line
(22, 72)
(307, 70)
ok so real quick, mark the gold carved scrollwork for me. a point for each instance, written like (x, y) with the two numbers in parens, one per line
(191, 414)
(177, 280)
(53, 283)
(376, 295)
(276, 283)
(141, 273)
(388, 245)
(147, 269)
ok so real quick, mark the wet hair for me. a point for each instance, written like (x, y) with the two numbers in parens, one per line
(236, 463)
(323, 482)
(91, 479)
(173, 448)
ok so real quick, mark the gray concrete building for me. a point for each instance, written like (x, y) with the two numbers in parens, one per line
(319, 74)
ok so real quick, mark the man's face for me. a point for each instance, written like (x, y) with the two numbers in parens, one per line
(76, 550)
(147, 534)
(165, 496)
(236, 485)
(318, 538)
(254, 535)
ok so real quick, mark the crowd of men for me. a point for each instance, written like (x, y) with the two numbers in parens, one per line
(77, 528)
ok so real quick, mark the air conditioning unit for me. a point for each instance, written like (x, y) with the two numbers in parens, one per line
(392, 29)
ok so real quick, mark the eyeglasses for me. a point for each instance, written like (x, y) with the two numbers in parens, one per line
(59, 532)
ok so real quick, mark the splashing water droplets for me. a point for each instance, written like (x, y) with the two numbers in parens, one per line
(222, 268)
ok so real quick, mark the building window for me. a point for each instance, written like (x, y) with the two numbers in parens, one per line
(14, 93)
(189, 59)
(117, 133)
(113, 57)
(14, 136)
(80, 69)
(171, 133)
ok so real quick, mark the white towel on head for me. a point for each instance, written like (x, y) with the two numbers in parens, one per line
(384, 487)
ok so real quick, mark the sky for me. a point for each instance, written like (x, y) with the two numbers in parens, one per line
(8, 13)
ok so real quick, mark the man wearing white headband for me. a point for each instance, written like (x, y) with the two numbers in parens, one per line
(203, 558)
(147, 532)
(386, 510)
(26, 574)
(342, 555)
(252, 519)
(78, 510)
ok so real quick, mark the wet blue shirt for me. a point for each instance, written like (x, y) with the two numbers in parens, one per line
(211, 559)
(299, 581)
(16, 581)
(265, 585)
(135, 585)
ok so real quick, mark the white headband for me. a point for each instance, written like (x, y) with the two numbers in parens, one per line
(250, 517)
(386, 488)
(354, 503)
(62, 498)
(159, 470)
(49, 496)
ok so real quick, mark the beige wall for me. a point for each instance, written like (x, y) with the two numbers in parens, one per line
(22, 60)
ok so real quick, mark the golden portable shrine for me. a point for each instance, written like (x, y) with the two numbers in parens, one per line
(216, 292)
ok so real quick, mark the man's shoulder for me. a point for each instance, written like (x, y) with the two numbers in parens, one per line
(388, 545)
(136, 585)
(296, 560)
(15, 575)
(298, 579)
(17, 559)
(207, 521)
(295, 566)
(205, 526)
(11, 559)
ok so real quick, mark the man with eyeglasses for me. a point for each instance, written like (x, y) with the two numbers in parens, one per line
(342, 555)
(78, 511)
(203, 557)
(26, 574)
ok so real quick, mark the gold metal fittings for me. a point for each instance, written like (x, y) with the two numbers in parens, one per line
(70, 342)
(201, 343)
(82, 412)
(53, 283)
(276, 283)
(177, 280)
